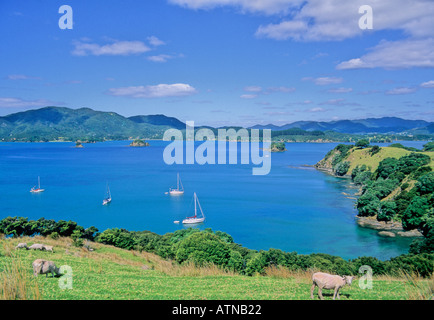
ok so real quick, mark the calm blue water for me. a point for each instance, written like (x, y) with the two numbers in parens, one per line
(294, 208)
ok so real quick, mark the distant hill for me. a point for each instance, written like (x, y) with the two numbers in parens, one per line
(363, 126)
(85, 124)
(159, 120)
(65, 124)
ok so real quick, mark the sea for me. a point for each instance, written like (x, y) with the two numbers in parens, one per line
(295, 207)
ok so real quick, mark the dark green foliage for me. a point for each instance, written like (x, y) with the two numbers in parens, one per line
(368, 204)
(341, 168)
(374, 150)
(410, 163)
(361, 175)
(363, 143)
(387, 211)
(425, 183)
(204, 247)
(343, 150)
(120, 238)
(413, 216)
(386, 167)
(429, 146)
(19, 226)
(279, 146)
(398, 145)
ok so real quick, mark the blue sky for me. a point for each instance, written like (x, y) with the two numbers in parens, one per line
(221, 62)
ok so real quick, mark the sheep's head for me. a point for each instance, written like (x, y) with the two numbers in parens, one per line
(349, 279)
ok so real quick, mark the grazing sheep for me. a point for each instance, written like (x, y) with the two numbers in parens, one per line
(22, 245)
(328, 281)
(41, 266)
(37, 246)
(48, 248)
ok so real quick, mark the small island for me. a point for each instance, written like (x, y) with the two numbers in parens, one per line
(78, 144)
(277, 147)
(139, 143)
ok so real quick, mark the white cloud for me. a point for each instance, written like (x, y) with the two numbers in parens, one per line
(401, 90)
(339, 103)
(395, 55)
(117, 48)
(154, 41)
(259, 6)
(281, 89)
(253, 89)
(319, 20)
(428, 84)
(8, 102)
(248, 96)
(318, 109)
(157, 91)
(340, 90)
(323, 81)
(21, 77)
(160, 58)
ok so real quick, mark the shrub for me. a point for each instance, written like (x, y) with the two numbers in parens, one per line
(387, 211)
(363, 143)
(201, 248)
(425, 183)
(342, 168)
(374, 150)
(413, 215)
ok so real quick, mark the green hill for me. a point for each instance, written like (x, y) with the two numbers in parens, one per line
(108, 273)
(65, 124)
(396, 188)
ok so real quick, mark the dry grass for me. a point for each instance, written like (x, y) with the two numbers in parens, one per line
(285, 273)
(15, 281)
(419, 289)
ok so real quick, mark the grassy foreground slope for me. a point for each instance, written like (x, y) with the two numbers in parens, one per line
(113, 273)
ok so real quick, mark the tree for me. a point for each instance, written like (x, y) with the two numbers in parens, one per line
(363, 143)
(374, 150)
(368, 204)
(413, 216)
(202, 248)
(386, 167)
(342, 168)
(387, 211)
(425, 183)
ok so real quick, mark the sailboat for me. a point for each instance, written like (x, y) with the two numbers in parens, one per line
(108, 199)
(195, 218)
(178, 191)
(38, 189)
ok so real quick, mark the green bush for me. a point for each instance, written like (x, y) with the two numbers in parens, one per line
(425, 183)
(342, 168)
(387, 211)
(202, 248)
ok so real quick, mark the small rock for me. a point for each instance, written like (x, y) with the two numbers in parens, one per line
(387, 234)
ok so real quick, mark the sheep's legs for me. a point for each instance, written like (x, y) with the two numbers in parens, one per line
(311, 290)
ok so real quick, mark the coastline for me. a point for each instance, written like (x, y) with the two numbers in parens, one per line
(390, 229)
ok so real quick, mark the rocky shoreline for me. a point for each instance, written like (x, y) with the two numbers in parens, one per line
(387, 229)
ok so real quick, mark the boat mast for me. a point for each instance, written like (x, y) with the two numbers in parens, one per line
(195, 213)
(177, 182)
(39, 183)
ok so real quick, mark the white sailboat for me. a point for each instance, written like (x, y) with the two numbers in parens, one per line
(38, 189)
(108, 199)
(178, 191)
(195, 218)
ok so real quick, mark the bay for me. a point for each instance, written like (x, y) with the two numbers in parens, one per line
(293, 208)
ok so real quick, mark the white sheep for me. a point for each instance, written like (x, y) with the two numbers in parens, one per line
(37, 246)
(41, 266)
(328, 281)
(22, 245)
(48, 248)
